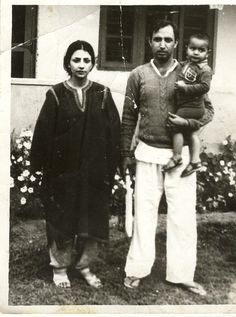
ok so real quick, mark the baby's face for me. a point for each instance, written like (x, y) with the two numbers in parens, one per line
(197, 50)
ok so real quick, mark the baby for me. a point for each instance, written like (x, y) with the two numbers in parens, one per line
(193, 82)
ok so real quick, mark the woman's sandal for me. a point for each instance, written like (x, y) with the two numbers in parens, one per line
(60, 278)
(173, 162)
(191, 168)
(131, 282)
(90, 278)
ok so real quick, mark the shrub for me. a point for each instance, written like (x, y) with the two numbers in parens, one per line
(25, 185)
(216, 181)
(118, 196)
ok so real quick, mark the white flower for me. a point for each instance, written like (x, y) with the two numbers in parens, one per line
(122, 182)
(204, 207)
(27, 145)
(230, 194)
(225, 142)
(27, 163)
(222, 163)
(38, 173)
(20, 178)
(32, 178)
(23, 189)
(215, 204)
(26, 133)
(210, 174)
(203, 169)
(20, 146)
(115, 187)
(20, 159)
(117, 177)
(30, 190)
(11, 182)
(113, 190)
(23, 201)
(226, 170)
(26, 173)
(232, 182)
(40, 183)
(12, 157)
(219, 174)
(18, 141)
(229, 164)
(231, 178)
(216, 179)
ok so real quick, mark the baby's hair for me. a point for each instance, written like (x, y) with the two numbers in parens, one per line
(200, 36)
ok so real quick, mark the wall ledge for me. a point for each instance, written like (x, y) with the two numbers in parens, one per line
(32, 82)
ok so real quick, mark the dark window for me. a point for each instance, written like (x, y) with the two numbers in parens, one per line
(123, 36)
(120, 45)
(24, 23)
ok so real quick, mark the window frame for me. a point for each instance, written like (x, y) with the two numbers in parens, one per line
(29, 46)
(136, 54)
(139, 38)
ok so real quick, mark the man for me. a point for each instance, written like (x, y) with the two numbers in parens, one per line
(150, 102)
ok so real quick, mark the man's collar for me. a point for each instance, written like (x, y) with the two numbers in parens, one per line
(173, 66)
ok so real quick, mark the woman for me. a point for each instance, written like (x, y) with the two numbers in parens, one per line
(76, 144)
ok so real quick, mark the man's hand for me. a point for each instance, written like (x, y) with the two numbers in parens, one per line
(179, 85)
(176, 123)
(128, 163)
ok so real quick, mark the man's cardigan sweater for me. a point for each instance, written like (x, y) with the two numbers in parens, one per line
(152, 96)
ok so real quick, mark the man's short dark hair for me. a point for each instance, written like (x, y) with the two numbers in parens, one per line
(160, 24)
(201, 36)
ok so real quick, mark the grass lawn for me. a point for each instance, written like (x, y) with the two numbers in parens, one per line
(30, 275)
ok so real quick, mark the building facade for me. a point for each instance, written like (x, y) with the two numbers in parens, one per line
(118, 34)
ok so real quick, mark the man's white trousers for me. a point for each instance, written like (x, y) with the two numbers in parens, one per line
(181, 222)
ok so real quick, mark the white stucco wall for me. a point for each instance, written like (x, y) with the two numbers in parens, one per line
(223, 89)
(58, 26)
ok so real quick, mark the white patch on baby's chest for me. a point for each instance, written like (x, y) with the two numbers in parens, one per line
(190, 74)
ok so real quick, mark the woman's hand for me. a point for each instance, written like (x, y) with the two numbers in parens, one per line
(176, 123)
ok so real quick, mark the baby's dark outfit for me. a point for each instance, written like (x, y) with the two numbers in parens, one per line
(190, 103)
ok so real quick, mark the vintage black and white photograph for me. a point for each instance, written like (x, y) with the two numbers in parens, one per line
(122, 156)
